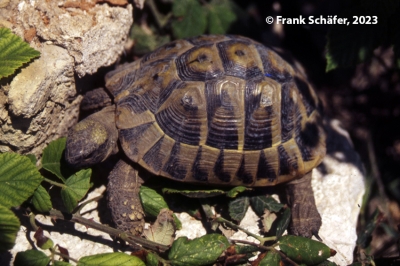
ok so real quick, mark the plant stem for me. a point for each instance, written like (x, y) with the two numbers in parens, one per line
(266, 249)
(160, 19)
(76, 218)
(54, 183)
(64, 256)
(32, 221)
(259, 238)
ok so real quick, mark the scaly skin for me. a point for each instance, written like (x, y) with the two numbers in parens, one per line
(306, 219)
(123, 198)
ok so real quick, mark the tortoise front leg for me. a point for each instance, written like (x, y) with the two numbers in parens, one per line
(123, 198)
(306, 220)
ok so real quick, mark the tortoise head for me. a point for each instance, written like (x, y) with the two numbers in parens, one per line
(92, 140)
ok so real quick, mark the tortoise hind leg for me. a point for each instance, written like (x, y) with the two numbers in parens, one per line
(306, 219)
(124, 203)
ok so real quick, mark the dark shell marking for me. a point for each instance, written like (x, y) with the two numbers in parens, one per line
(218, 109)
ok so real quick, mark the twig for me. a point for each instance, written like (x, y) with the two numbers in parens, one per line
(76, 218)
(259, 238)
(161, 20)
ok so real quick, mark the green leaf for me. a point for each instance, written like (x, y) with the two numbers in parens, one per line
(283, 222)
(19, 178)
(61, 263)
(14, 52)
(235, 191)
(41, 200)
(260, 203)
(238, 208)
(31, 257)
(76, 188)
(32, 158)
(9, 226)
(199, 251)
(145, 42)
(220, 16)
(243, 249)
(198, 193)
(53, 160)
(190, 18)
(152, 201)
(111, 259)
(151, 259)
(305, 250)
(272, 258)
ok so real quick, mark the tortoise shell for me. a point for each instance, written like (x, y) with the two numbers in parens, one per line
(220, 110)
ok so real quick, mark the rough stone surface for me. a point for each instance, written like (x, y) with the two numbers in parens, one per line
(93, 35)
(40, 102)
(339, 186)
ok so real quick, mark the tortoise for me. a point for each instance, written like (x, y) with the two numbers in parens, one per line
(217, 110)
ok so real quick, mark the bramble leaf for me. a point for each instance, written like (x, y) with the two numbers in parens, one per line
(32, 158)
(19, 178)
(9, 226)
(76, 188)
(220, 16)
(52, 158)
(41, 200)
(145, 42)
(191, 18)
(31, 257)
(14, 52)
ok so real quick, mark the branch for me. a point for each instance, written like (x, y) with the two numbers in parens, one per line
(135, 240)
(232, 225)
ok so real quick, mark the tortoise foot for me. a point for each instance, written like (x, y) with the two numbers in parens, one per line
(123, 198)
(306, 219)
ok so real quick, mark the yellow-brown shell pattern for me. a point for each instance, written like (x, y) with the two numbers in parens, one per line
(220, 110)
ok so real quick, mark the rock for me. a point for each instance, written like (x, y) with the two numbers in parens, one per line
(41, 102)
(339, 186)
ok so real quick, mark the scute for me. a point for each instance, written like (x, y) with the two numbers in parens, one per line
(218, 109)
